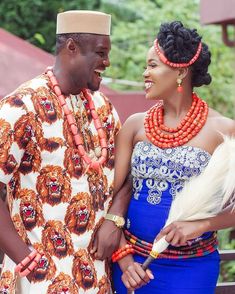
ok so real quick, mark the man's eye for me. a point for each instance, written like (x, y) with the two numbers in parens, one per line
(101, 54)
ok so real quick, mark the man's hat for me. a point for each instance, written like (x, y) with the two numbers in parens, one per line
(83, 21)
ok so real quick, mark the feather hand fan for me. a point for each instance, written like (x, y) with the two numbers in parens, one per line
(203, 196)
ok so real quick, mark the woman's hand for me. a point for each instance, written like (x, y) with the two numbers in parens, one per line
(135, 277)
(179, 232)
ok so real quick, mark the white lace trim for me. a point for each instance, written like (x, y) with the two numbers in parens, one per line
(163, 169)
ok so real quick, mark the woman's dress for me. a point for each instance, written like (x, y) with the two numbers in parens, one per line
(158, 174)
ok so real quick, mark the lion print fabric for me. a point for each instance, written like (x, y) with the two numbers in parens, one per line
(55, 203)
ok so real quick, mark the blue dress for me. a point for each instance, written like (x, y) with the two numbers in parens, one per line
(157, 175)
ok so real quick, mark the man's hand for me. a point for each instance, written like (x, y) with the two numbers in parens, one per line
(106, 240)
(179, 232)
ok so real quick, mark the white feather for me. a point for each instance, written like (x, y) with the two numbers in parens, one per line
(205, 195)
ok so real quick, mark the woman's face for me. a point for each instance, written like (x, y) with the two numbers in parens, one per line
(160, 79)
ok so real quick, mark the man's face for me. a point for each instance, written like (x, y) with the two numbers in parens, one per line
(90, 62)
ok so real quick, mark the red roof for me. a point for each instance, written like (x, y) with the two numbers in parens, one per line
(127, 103)
(21, 61)
(217, 11)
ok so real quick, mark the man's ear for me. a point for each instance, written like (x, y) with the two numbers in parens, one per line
(71, 46)
(182, 72)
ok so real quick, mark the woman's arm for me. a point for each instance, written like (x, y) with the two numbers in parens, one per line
(179, 232)
(133, 276)
(223, 220)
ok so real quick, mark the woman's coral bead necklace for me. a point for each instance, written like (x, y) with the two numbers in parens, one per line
(165, 137)
(96, 165)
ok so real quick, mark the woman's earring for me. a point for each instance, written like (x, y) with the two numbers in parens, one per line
(179, 86)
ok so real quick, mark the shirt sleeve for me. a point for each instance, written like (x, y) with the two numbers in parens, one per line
(117, 122)
(11, 151)
(113, 117)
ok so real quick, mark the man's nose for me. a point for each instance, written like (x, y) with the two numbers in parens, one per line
(106, 62)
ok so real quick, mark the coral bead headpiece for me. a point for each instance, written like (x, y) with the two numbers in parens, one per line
(173, 64)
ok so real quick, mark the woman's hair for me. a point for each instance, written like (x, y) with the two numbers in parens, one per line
(180, 44)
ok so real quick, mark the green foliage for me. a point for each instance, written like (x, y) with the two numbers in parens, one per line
(227, 269)
(35, 20)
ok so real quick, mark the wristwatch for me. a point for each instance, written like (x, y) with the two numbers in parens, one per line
(118, 220)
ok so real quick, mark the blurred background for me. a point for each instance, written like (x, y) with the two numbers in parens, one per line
(27, 43)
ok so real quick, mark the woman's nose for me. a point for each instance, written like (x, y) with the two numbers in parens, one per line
(145, 73)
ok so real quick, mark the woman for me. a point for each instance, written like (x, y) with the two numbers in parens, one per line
(164, 148)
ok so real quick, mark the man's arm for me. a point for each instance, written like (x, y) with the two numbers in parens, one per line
(107, 237)
(10, 242)
(2, 191)
(119, 207)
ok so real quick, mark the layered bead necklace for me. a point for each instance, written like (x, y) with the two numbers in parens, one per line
(91, 164)
(165, 137)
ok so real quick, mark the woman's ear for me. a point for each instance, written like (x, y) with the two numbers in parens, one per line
(182, 72)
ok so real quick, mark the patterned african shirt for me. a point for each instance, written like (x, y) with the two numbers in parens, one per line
(54, 202)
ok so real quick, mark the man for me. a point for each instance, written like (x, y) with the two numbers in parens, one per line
(57, 159)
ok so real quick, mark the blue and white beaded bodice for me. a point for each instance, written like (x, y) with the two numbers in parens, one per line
(158, 174)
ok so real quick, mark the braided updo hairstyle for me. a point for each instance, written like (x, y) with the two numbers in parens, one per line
(180, 45)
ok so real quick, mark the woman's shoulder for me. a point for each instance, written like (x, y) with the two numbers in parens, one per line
(221, 123)
(133, 124)
(136, 118)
